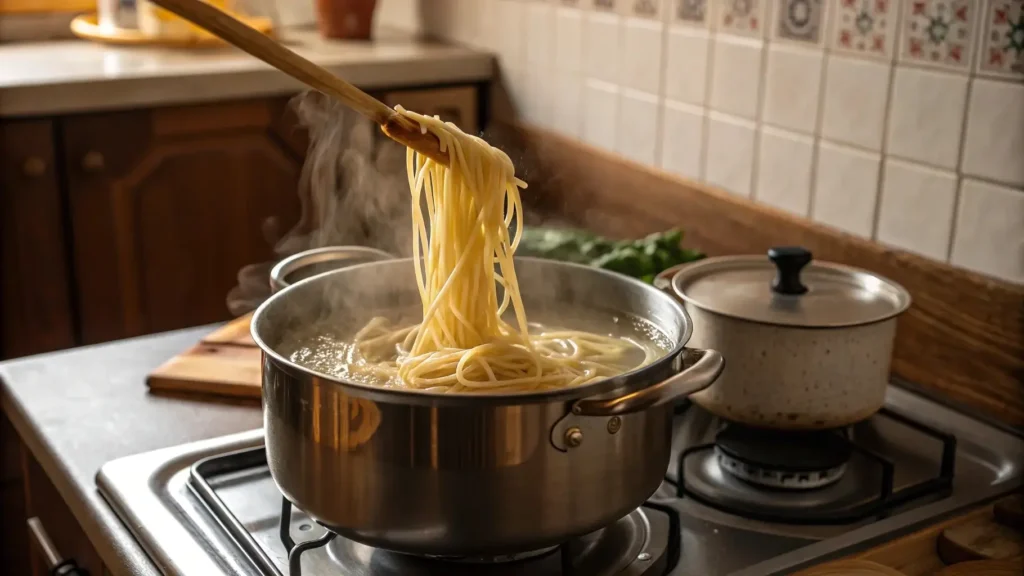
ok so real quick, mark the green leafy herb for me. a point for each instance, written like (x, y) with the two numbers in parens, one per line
(642, 259)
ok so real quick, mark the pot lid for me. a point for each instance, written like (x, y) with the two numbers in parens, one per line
(787, 289)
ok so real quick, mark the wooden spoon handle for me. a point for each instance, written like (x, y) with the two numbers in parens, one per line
(234, 32)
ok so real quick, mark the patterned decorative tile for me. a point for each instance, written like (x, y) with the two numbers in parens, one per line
(865, 27)
(641, 8)
(1002, 47)
(741, 17)
(691, 12)
(800, 20)
(939, 32)
(604, 5)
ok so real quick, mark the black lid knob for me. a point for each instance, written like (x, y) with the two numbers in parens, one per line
(789, 260)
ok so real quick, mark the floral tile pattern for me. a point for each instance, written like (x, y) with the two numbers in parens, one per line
(643, 8)
(693, 12)
(1002, 46)
(865, 27)
(742, 17)
(939, 32)
(800, 20)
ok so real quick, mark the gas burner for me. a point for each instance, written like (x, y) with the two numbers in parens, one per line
(783, 459)
(808, 478)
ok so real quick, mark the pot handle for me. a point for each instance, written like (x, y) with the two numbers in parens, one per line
(279, 273)
(703, 368)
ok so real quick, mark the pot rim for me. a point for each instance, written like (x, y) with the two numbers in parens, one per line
(682, 271)
(635, 378)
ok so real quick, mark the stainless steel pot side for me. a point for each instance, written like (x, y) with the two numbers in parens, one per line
(471, 475)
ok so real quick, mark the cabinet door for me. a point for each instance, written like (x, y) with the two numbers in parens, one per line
(35, 301)
(65, 536)
(168, 204)
(457, 104)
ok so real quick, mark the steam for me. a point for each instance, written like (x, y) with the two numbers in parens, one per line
(353, 191)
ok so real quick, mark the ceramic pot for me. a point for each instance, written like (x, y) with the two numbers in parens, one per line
(345, 19)
(808, 346)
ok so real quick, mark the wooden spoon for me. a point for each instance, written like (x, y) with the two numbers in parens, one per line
(235, 32)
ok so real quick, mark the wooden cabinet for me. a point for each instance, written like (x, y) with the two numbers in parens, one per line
(167, 205)
(125, 223)
(458, 104)
(44, 503)
(35, 292)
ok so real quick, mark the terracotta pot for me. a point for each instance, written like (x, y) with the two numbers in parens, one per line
(346, 19)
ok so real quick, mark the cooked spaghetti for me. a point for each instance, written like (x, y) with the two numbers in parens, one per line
(463, 247)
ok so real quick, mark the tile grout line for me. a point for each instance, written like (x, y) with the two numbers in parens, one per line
(659, 96)
(816, 137)
(709, 70)
(886, 119)
(958, 171)
(755, 150)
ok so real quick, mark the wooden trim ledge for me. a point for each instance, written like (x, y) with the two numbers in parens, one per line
(962, 338)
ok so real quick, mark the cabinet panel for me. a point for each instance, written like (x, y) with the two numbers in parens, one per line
(167, 205)
(35, 300)
(457, 104)
(43, 501)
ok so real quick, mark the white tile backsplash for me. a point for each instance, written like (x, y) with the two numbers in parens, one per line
(602, 41)
(730, 153)
(849, 113)
(989, 234)
(537, 103)
(792, 88)
(568, 103)
(511, 46)
(994, 143)
(736, 76)
(569, 39)
(784, 170)
(638, 126)
(916, 208)
(682, 139)
(927, 116)
(856, 93)
(686, 64)
(600, 113)
(846, 188)
(540, 33)
(641, 54)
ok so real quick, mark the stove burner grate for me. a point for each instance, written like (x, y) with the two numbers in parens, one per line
(802, 506)
(648, 540)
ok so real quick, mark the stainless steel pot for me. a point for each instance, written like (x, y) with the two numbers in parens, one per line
(459, 475)
(309, 263)
(809, 345)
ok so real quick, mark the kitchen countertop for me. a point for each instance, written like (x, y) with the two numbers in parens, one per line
(76, 410)
(45, 78)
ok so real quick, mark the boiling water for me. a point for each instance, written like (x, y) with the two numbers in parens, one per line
(328, 349)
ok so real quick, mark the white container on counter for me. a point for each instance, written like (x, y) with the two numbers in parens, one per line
(113, 15)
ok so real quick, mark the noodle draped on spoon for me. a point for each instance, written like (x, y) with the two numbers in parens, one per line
(463, 250)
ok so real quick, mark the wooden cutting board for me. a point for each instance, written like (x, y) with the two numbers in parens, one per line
(225, 363)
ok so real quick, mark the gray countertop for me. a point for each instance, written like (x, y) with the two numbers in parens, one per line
(79, 409)
(46, 78)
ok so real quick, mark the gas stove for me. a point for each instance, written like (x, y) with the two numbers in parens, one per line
(735, 501)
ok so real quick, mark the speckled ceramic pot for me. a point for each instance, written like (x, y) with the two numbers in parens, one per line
(807, 346)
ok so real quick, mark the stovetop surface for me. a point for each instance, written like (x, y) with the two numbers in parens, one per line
(151, 493)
